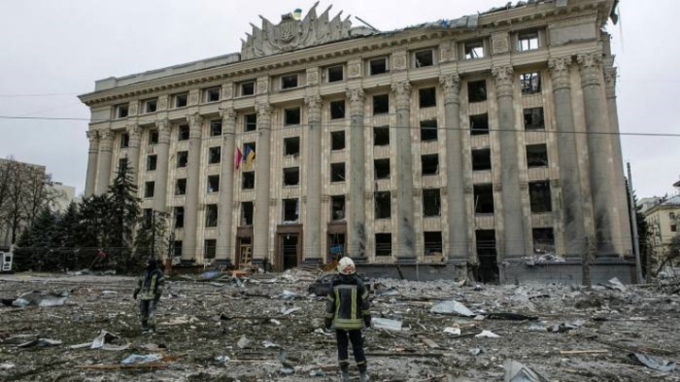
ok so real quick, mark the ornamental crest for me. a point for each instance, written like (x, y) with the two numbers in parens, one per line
(287, 29)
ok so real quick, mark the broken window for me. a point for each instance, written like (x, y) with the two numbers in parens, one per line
(250, 122)
(153, 136)
(335, 73)
(539, 197)
(428, 130)
(527, 41)
(214, 155)
(213, 183)
(179, 217)
(674, 227)
(292, 116)
(291, 146)
(338, 172)
(122, 110)
(383, 204)
(338, 140)
(337, 207)
(483, 194)
(530, 82)
(147, 217)
(479, 124)
(246, 213)
(290, 81)
(382, 168)
(291, 210)
(181, 186)
(149, 188)
(338, 109)
(248, 180)
(124, 140)
(383, 244)
(212, 94)
(381, 136)
(180, 99)
(430, 164)
(183, 133)
(474, 49)
(210, 248)
(432, 203)
(182, 158)
(433, 243)
(151, 162)
(427, 97)
(381, 104)
(177, 248)
(533, 118)
(378, 66)
(477, 91)
(247, 88)
(150, 105)
(122, 165)
(537, 156)
(544, 240)
(215, 127)
(291, 176)
(424, 58)
(211, 215)
(481, 160)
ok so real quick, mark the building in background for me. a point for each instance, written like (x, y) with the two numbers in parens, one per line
(663, 217)
(65, 196)
(482, 143)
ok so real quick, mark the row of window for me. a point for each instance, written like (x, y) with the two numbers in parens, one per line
(530, 84)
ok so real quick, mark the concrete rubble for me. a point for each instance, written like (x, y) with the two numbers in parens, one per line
(268, 327)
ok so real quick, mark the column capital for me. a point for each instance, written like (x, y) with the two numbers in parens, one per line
(451, 85)
(163, 127)
(559, 71)
(402, 91)
(591, 66)
(610, 75)
(106, 139)
(263, 110)
(356, 99)
(228, 114)
(503, 76)
(313, 104)
(92, 136)
(135, 133)
(195, 123)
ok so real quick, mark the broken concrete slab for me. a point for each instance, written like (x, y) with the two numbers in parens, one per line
(452, 307)
(517, 372)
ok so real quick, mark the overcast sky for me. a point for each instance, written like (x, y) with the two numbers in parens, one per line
(55, 50)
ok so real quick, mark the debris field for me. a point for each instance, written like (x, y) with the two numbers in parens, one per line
(268, 327)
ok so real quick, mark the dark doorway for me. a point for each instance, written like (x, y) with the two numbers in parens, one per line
(289, 250)
(336, 247)
(487, 272)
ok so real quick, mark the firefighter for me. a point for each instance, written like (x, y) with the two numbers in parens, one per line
(149, 289)
(347, 311)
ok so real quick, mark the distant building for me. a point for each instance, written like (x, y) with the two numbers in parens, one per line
(664, 219)
(477, 141)
(66, 195)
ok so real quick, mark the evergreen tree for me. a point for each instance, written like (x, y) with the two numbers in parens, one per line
(66, 236)
(123, 213)
(150, 240)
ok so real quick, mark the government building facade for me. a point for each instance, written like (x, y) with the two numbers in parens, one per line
(487, 143)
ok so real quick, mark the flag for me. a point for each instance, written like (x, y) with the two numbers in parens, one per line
(239, 155)
(249, 156)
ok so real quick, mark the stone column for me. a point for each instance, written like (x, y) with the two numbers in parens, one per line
(262, 181)
(189, 244)
(104, 162)
(572, 202)
(623, 236)
(406, 240)
(458, 251)
(598, 151)
(357, 168)
(513, 216)
(225, 244)
(93, 152)
(135, 134)
(162, 158)
(312, 226)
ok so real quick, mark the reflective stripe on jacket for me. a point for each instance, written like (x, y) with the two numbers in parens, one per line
(347, 304)
(150, 285)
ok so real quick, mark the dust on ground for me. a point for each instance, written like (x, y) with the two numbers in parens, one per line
(225, 329)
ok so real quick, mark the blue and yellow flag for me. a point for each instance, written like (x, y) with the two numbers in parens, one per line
(249, 157)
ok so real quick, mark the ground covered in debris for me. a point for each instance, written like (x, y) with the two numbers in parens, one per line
(269, 329)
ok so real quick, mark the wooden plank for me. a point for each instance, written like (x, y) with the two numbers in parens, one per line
(593, 351)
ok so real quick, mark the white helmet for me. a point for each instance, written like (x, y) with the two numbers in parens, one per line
(346, 266)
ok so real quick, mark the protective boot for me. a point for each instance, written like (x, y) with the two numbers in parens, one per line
(363, 376)
(345, 374)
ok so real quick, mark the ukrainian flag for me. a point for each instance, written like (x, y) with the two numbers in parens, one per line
(249, 157)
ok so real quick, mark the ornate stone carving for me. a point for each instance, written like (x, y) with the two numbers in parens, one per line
(228, 91)
(356, 100)
(193, 98)
(451, 85)
(354, 70)
(610, 74)
(163, 127)
(135, 133)
(313, 77)
(591, 67)
(500, 43)
(503, 75)
(559, 71)
(106, 140)
(228, 120)
(291, 34)
(313, 104)
(402, 91)
(162, 103)
(195, 125)
(134, 108)
(93, 137)
(263, 110)
(262, 86)
(399, 61)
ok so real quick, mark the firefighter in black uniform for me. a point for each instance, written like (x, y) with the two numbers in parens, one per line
(347, 311)
(149, 289)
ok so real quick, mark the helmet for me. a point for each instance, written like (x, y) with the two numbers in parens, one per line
(346, 266)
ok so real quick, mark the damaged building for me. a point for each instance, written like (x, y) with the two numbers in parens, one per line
(486, 143)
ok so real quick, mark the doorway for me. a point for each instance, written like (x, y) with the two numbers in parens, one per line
(289, 250)
(487, 272)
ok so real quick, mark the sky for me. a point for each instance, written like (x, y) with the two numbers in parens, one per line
(51, 51)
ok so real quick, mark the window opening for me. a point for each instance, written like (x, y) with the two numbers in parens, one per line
(338, 207)
(291, 176)
(214, 155)
(291, 146)
(427, 97)
(381, 104)
(150, 105)
(382, 168)
(430, 164)
(428, 130)
(183, 133)
(289, 81)
(530, 82)
(246, 213)
(151, 162)
(211, 215)
(337, 140)
(153, 136)
(182, 158)
(527, 41)
(378, 66)
(250, 122)
(149, 188)
(477, 91)
(122, 111)
(433, 243)
(335, 73)
(381, 136)
(539, 197)
(383, 207)
(537, 156)
(292, 116)
(479, 124)
(424, 58)
(179, 217)
(181, 100)
(212, 95)
(483, 194)
(248, 180)
(291, 211)
(215, 127)
(544, 240)
(338, 172)
(213, 183)
(481, 160)
(338, 109)
(210, 248)
(533, 119)
(383, 244)
(474, 50)
(181, 186)
(248, 88)
(432, 203)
